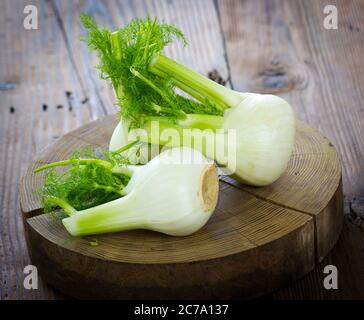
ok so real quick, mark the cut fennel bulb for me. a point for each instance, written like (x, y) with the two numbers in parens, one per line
(175, 193)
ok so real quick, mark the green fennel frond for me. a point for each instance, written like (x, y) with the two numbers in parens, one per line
(124, 58)
(84, 184)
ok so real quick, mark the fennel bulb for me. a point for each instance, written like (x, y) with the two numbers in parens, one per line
(265, 130)
(264, 127)
(175, 193)
(144, 81)
(264, 123)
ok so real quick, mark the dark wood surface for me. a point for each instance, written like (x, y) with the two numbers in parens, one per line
(48, 86)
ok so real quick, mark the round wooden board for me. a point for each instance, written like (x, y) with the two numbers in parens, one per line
(258, 239)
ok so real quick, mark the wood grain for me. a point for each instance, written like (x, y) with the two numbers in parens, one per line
(37, 64)
(349, 287)
(282, 47)
(299, 186)
(252, 244)
(315, 69)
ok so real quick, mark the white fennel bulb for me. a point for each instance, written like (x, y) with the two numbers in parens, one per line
(264, 129)
(170, 194)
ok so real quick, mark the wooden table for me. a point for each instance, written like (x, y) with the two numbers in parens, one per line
(48, 86)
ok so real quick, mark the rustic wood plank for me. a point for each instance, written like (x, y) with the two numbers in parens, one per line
(282, 47)
(42, 103)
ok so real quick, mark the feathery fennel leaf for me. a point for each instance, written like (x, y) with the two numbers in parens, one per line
(84, 185)
(125, 55)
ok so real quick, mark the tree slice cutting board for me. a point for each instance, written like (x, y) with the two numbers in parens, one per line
(258, 239)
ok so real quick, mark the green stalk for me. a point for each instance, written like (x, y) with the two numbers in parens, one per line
(124, 148)
(110, 189)
(115, 45)
(199, 125)
(116, 51)
(192, 120)
(194, 83)
(117, 215)
(150, 83)
(191, 91)
(202, 121)
(178, 113)
(123, 170)
(68, 162)
(154, 137)
(177, 135)
(68, 209)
